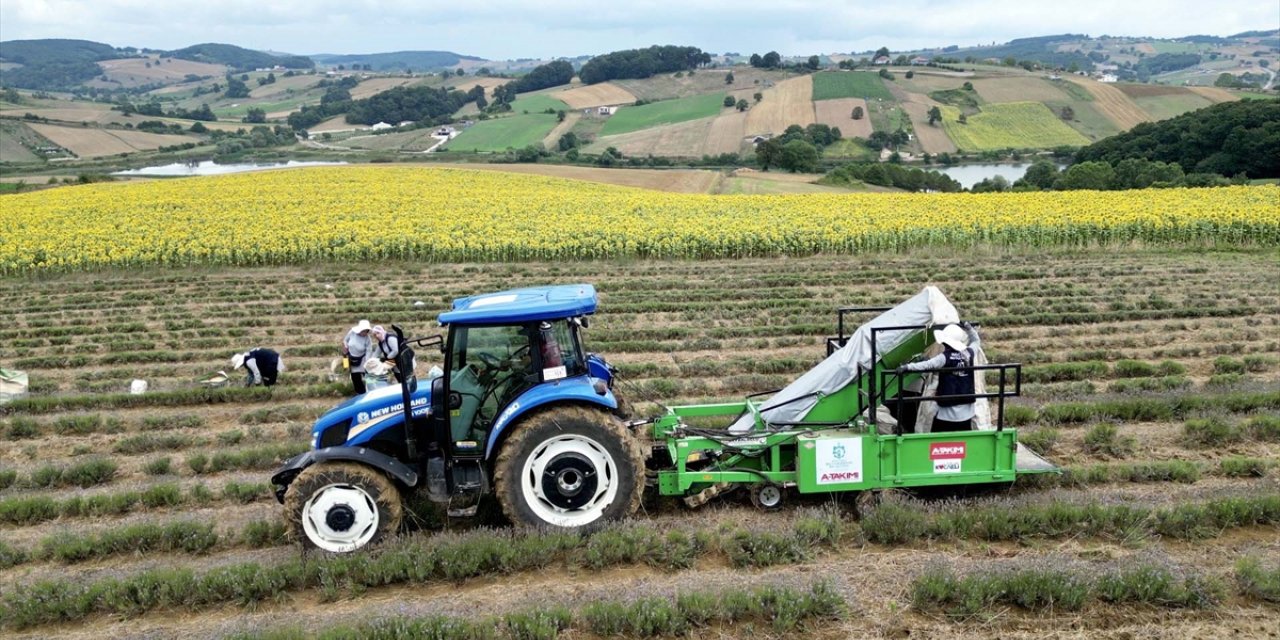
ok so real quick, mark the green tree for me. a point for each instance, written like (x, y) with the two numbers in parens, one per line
(742, 105)
(910, 74)
(799, 155)
(1226, 80)
(967, 86)
(729, 101)
(882, 51)
(768, 153)
(771, 60)
(756, 60)
(758, 96)
(1041, 174)
(1087, 175)
(236, 89)
(255, 116)
(1068, 113)
(561, 115)
(460, 72)
(198, 128)
(935, 114)
(963, 119)
(884, 73)
(728, 78)
(813, 63)
(567, 141)
(857, 113)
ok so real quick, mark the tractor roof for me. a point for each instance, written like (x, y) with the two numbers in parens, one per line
(523, 305)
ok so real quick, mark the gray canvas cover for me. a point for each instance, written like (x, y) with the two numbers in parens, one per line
(929, 307)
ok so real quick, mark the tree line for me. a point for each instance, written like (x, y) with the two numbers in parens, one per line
(642, 63)
(1227, 139)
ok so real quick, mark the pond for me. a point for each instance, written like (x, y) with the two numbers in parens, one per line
(970, 174)
(211, 168)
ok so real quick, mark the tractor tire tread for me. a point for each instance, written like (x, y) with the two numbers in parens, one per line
(604, 419)
(321, 474)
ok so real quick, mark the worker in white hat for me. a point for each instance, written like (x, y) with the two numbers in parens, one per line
(959, 344)
(263, 365)
(356, 346)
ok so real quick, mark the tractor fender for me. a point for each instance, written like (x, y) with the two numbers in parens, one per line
(579, 389)
(281, 479)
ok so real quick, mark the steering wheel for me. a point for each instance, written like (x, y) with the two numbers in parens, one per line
(490, 360)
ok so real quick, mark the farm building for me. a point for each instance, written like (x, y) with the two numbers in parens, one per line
(880, 60)
(919, 60)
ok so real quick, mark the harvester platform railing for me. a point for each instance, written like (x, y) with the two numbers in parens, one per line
(887, 378)
(834, 343)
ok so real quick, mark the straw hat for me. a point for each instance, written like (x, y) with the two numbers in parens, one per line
(952, 336)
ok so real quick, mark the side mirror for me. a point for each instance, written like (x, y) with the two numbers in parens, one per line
(455, 400)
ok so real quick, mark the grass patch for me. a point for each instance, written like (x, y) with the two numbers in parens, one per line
(1210, 432)
(1064, 371)
(1104, 439)
(831, 85)
(84, 474)
(500, 134)
(535, 103)
(786, 611)
(1255, 581)
(1013, 125)
(942, 590)
(635, 118)
(184, 536)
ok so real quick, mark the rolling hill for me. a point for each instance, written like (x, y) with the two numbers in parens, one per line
(239, 58)
(395, 60)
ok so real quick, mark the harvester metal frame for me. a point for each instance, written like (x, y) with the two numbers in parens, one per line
(837, 446)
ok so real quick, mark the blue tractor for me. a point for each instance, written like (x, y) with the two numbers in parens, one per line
(522, 411)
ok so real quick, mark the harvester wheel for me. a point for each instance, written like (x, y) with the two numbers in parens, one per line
(569, 467)
(342, 506)
(766, 496)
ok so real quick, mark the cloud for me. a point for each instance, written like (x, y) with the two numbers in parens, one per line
(518, 28)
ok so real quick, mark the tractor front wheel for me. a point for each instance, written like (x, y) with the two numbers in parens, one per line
(569, 467)
(342, 506)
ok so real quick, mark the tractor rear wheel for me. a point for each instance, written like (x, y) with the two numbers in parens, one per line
(342, 506)
(569, 467)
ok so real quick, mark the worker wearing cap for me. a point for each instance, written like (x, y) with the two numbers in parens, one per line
(959, 344)
(263, 365)
(356, 347)
(386, 346)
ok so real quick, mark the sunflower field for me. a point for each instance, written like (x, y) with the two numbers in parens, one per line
(428, 214)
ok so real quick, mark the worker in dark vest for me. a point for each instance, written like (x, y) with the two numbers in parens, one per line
(959, 344)
(387, 347)
(263, 366)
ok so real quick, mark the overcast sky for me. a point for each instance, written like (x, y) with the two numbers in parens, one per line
(502, 29)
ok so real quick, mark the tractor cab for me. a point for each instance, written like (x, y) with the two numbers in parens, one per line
(501, 346)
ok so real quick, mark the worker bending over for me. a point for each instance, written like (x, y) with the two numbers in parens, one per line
(263, 365)
(959, 344)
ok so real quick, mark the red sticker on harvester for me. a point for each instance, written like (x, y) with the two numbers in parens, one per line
(946, 450)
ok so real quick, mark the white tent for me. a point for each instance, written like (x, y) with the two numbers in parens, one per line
(929, 307)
